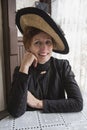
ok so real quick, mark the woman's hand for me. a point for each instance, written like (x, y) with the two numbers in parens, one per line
(34, 102)
(27, 61)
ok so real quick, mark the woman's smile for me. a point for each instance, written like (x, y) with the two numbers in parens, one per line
(43, 54)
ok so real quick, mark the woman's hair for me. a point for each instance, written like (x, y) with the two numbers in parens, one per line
(45, 1)
(28, 34)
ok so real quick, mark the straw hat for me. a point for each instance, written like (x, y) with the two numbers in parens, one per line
(34, 17)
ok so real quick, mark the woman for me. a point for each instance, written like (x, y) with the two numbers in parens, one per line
(42, 82)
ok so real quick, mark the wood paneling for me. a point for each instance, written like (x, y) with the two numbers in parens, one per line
(21, 50)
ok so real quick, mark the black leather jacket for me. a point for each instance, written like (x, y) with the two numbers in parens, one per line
(57, 88)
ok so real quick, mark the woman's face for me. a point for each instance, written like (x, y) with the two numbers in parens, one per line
(41, 47)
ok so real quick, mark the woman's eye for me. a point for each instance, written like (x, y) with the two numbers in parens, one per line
(49, 42)
(37, 43)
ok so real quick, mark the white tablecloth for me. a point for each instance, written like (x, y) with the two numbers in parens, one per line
(39, 121)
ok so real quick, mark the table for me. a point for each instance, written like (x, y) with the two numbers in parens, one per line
(35, 120)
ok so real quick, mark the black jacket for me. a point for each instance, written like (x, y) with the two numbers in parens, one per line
(57, 88)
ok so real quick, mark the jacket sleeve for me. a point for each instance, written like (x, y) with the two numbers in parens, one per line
(18, 94)
(74, 100)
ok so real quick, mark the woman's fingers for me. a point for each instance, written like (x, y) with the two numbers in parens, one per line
(35, 61)
(33, 101)
(28, 59)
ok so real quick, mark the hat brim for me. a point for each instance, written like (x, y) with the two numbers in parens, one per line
(34, 17)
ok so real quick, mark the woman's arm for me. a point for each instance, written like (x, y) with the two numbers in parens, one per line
(18, 94)
(74, 101)
(17, 102)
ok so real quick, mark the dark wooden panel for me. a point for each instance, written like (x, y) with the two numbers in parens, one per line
(6, 45)
(13, 63)
(13, 40)
(3, 114)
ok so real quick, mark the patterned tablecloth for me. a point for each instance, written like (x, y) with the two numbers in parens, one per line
(38, 121)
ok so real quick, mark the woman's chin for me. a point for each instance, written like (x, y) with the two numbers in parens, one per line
(43, 60)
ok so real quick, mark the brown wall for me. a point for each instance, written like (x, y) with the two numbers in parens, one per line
(2, 80)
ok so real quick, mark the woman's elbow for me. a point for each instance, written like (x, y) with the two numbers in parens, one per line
(15, 113)
(80, 105)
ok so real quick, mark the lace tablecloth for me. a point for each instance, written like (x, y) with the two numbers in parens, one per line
(38, 121)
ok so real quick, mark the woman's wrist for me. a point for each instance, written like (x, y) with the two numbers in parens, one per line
(40, 104)
(24, 69)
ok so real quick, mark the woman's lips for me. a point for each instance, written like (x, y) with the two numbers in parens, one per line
(43, 55)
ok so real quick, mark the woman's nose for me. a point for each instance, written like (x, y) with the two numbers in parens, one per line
(43, 46)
